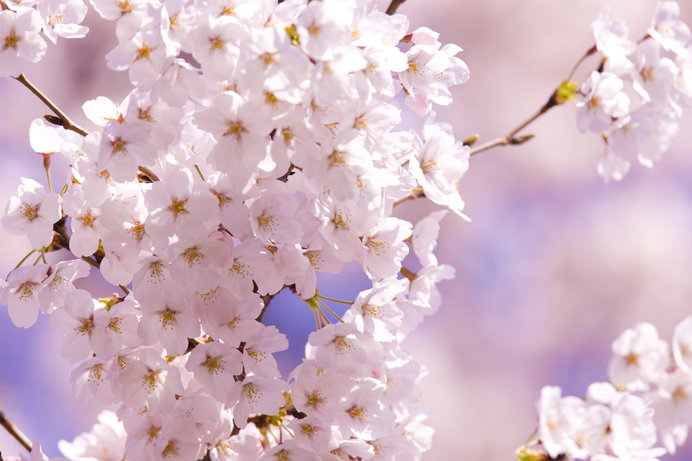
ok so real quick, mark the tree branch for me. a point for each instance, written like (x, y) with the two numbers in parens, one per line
(62, 240)
(393, 6)
(566, 91)
(266, 299)
(66, 122)
(511, 137)
(145, 174)
(15, 432)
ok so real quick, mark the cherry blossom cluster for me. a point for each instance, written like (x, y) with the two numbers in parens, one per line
(257, 148)
(21, 24)
(646, 402)
(636, 96)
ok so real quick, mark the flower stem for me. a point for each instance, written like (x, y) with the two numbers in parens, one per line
(46, 166)
(92, 262)
(66, 122)
(318, 323)
(39, 258)
(408, 273)
(331, 312)
(288, 431)
(14, 431)
(199, 172)
(588, 53)
(24, 259)
(348, 303)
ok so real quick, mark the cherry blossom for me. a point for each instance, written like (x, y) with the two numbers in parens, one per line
(260, 145)
(32, 213)
(20, 40)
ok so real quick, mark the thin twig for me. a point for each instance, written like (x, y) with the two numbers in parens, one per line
(67, 123)
(510, 138)
(393, 6)
(588, 53)
(149, 174)
(266, 299)
(15, 432)
(557, 98)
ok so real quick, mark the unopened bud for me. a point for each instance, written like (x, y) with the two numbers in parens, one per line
(471, 140)
(54, 120)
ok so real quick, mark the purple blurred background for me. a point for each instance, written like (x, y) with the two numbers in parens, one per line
(553, 267)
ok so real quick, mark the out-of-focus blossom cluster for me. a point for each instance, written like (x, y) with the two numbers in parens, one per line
(636, 96)
(256, 149)
(646, 403)
(23, 21)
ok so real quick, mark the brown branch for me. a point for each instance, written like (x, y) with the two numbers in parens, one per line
(15, 432)
(288, 173)
(393, 6)
(566, 91)
(67, 123)
(511, 137)
(62, 240)
(266, 299)
(146, 175)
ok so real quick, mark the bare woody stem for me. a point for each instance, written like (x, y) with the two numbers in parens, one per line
(562, 94)
(393, 6)
(145, 174)
(588, 53)
(511, 137)
(149, 176)
(15, 432)
(66, 122)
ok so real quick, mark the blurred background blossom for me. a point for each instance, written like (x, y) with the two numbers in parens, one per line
(554, 265)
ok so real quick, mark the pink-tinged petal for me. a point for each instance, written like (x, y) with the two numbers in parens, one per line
(23, 312)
